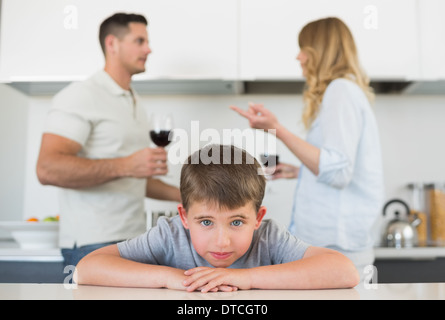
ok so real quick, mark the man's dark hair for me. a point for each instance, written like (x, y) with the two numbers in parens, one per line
(117, 25)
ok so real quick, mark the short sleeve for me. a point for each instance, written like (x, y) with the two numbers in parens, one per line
(283, 246)
(152, 247)
(139, 249)
(68, 116)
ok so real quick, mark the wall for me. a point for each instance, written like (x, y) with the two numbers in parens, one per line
(411, 134)
(13, 146)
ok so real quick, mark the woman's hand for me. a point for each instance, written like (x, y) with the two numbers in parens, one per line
(259, 117)
(284, 171)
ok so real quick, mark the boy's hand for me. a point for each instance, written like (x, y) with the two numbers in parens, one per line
(177, 278)
(216, 279)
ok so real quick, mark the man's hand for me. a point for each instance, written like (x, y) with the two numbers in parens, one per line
(60, 165)
(147, 163)
(216, 279)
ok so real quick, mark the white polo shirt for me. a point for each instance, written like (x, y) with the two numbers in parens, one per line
(108, 122)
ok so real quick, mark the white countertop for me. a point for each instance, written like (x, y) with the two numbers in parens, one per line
(411, 291)
(11, 251)
(417, 253)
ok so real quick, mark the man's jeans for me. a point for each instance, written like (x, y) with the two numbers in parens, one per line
(74, 255)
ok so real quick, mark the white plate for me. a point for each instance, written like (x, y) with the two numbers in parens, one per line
(33, 235)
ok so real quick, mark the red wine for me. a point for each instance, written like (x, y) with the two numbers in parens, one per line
(160, 138)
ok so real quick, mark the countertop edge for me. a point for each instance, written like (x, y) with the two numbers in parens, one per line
(10, 251)
(416, 253)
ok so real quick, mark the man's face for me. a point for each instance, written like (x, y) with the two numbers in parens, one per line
(133, 48)
(221, 236)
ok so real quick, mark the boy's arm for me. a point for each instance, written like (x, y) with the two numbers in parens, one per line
(320, 268)
(106, 267)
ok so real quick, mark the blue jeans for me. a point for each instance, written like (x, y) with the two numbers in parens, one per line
(74, 255)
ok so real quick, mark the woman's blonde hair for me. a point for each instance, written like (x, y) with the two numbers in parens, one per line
(332, 54)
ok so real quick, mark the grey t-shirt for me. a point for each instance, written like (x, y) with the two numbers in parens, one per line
(169, 244)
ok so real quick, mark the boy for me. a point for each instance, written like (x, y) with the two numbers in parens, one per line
(219, 241)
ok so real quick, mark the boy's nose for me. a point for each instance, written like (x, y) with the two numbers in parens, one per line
(222, 238)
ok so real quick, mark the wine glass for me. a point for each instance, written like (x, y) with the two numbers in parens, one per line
(160, 129)
(270, 162)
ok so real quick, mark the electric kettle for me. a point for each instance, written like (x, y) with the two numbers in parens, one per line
(400, 233)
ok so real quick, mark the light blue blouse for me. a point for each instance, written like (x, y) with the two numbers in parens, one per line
(339, 206)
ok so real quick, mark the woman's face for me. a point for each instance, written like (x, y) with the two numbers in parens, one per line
(302, 57)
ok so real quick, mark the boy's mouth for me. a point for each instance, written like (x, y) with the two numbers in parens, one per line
(221, 255)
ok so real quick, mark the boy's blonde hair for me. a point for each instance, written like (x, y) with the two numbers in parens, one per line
(332, 54)
(223, 176)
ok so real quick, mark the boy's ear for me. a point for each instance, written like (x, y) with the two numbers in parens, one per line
(183, 215)
(259, 216)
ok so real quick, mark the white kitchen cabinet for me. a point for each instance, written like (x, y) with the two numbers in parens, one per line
(432, 39)
(48, 40)
(386, 34)
(58, 39)
(193, 39)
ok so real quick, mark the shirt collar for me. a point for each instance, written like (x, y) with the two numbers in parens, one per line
(106, 81)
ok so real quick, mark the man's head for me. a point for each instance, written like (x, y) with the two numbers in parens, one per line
(222, 194)
(124, 39)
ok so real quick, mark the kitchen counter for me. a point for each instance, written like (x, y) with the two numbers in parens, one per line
(413, 265)
(10, 251)
(411, 291)
(416, 253)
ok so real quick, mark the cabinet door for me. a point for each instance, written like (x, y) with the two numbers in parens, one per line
(432, 39)
(386, 34)
(49, 40)
(58, 40)
(192, 39)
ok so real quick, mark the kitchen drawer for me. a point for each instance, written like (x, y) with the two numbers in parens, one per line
(410, 271)
(31, 272)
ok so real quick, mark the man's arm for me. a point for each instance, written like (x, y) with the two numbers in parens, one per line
(157, 189)
(59, 164)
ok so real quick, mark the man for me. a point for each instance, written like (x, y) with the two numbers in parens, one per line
(94, 147)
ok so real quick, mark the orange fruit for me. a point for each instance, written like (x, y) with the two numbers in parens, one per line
(32, 220)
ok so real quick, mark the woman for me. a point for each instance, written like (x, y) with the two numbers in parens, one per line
(340, 182)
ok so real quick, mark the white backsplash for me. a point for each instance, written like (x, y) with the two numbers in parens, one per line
(411, 129)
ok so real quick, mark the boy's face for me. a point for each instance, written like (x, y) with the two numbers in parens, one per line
(221, 236)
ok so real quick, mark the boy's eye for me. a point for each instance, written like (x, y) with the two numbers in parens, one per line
(206, 223)
(237, 223)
